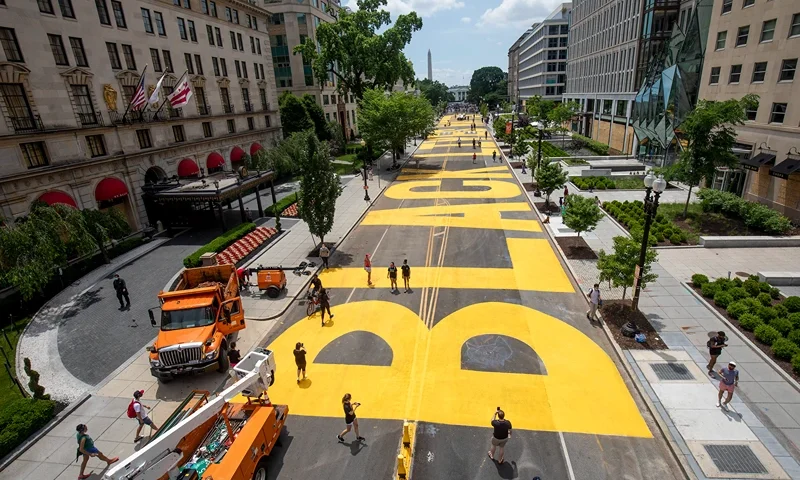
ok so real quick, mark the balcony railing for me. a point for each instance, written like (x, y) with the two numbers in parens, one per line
(90, 119)
(27, 124)
(265, 106)
(248, 107)
(175, 112)
(132, 117)
(204, 110)
(227, 108)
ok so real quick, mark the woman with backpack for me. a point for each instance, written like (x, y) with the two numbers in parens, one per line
(87, 449)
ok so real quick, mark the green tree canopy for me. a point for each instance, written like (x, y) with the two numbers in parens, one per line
(562, 113)
(538, 110)
(294, 116)
(387, 120)
(436, 92)
(319, 185)
(317, 117)
(361, 50)
(550, 177)
(486, 81)
(618, 268)
(581, 213)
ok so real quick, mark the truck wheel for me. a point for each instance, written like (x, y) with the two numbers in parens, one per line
(261, 470)
(273, 291)
(224, 362)
(271, 377)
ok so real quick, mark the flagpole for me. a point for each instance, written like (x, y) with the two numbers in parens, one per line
(141, 79)
(165, 97)
(157, 87)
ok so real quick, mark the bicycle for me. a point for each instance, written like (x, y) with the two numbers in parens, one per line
(312, 302)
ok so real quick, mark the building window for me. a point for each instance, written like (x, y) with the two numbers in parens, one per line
(210, 34)
(46, 6)
(255, 68)
(759, 72)
(622, 107)
(144, 138)
(204, 6)
(262, 94)
(102, 12)
(244, 69)
(34, 154)
(180, 135)
(78, 52)
(228, 14)
(207, 132)
(721, 37)
(226, 100)
(215, 65)
(192, 31)
(301, 18)
(182, 29)
(261, 68)
(127, 92)
(233, 40)
(168, 61)
(736, 74)
(727, 5)
(606, 106)
(148, 23)
(325, 100)
(66, 8)
(794, 29)
(266, 121)
(198, 63)
(767, 31)
(231, 126)
(241, 45)
(17, 106)
(714, 76)
(57, 47)
(235, 16)
(113, 56)
(83, 104)
(96, 144)
(219, 36)
(187, 59)
(119, 14)
(741, 36)
(213, 8)
(224, 65)
(8, 38)
(251, 124)
(160, 24)
(787, 70)
(252, 45)
(748, 3)
(238, 69)
(777, 113)
(130, 60)
(751, 112)
(156, 59)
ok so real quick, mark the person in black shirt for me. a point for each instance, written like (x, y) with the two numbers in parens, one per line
(392, 275)
(406, 275)
(122, 292)
(316, 285)
(233, 355)
(501, 434)
(300, 360)
(324, 304)
(349, 417)
(715, 345)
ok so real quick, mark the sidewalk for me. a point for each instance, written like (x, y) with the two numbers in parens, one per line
(759, 436)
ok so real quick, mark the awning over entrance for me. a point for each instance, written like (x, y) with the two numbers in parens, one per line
(758, 161)
(214, 160)
(188, 168)
(236, 154)
(219, 187)
(254, 148)
(110, 189)
(785, 168)
(55, 196)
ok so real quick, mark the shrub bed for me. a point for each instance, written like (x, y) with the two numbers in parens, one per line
(219, 244)
(22, 418)
(631, 216)
(589, 144)
(550, 150)
(754, 215)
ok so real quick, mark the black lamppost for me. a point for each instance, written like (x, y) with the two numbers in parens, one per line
(657, 186)
(538, 160)
(366, 187)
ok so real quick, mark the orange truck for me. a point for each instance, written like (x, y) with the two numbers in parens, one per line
(198, 321)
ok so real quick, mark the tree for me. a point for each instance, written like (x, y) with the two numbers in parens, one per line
(581, 213)
(550, 177)
(484, 110)
(337, 140)
(499, 126)
(103, 226)
(564, 112)
(294, 117)
(521, 146)
(538, 110)
(361, 50)
(484, 81)
(619, 267)
(709, 134)
(319, 186)
(317, 117)
(435, 91)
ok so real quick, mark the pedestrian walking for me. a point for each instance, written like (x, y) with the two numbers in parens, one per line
(87, 449)
(139, 411)
(500, 435)
(300, 359)
(324, 304)
(566, 192)
(474, 157)
(350, 419)
(392, 276)
(122, 292)
(234, 356)
(494, 156)
(406, 275)
(473, 144)
(324, 253)
(730, 379)
(594, 302)
(479, 143)
(459, 142)
(316, 285)
(715, 345)
(368, 269)
(486, 135)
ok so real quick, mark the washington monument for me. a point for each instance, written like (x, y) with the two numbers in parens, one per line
(430, 66)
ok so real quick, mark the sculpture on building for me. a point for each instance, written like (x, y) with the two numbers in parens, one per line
(110, 96)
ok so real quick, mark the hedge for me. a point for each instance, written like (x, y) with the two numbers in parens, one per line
(594, 146)
(754, 215)
(219, 244)
(550, 150)
(20, 419)
(281, 205)
(599, 183)
(631, 215)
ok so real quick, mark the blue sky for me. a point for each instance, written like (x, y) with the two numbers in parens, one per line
(464, 35)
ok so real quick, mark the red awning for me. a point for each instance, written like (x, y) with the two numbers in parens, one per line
(214, 160)
(188, 168)
(55, 196)
(110, 189)
(254, 148)
(236, 154)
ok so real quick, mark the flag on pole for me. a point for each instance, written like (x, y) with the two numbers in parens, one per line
(181, 95)
(139, 99)
(154, 97)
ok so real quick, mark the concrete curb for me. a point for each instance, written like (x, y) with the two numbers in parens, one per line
(31, 441)
(744, 338)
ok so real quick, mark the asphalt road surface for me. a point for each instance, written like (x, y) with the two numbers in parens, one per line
(492, 319)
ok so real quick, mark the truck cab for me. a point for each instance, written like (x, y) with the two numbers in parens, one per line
(197, 323)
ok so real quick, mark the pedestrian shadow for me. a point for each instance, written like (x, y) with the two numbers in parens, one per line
(275, 460)
(507, 469)
(305, 383)
(355, 447)
(732, 415)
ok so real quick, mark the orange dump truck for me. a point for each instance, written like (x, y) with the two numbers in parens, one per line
(198, 321)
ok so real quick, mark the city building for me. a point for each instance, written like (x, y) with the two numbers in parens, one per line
(753, 47)
(68, 70)
(430, 66)
(513, 69)
(542, 57)
(612, 44)
(459, 92)
(291, 23)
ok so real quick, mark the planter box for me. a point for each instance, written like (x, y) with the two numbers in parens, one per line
(749, 242)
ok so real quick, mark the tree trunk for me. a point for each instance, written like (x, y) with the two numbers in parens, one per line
(103, 251)
(686, 205)
(624, 289)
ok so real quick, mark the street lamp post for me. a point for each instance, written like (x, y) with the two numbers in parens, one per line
(538, 159)
(366, 174)
(657, 186)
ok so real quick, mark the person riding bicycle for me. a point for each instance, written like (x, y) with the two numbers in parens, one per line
(316, 286)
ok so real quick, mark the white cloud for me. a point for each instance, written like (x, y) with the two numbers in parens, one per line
(517, 13)
(451, 76)
(424, 8)
(466, 20)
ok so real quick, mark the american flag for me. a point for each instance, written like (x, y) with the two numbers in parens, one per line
(139, 99)
(181, 95)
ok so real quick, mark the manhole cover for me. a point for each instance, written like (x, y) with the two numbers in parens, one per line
(742, 274)
(735, 459)
(671, 371)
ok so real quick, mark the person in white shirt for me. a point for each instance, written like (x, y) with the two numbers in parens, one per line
(594, 302)
(141, 415)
